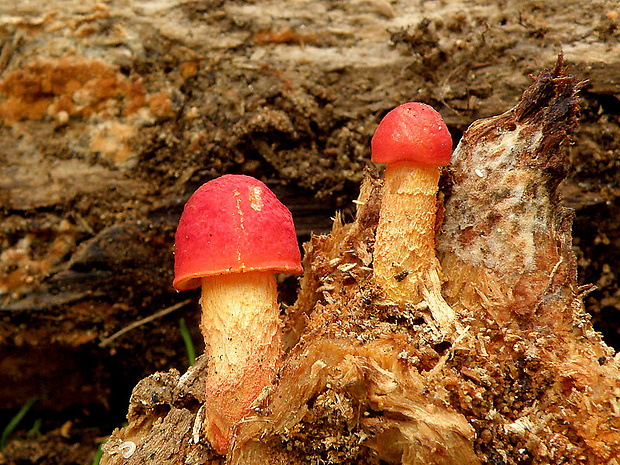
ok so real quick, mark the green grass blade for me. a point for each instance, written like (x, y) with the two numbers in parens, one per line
(35, 431)
(8, 429)
(98, 455)
(189, 345)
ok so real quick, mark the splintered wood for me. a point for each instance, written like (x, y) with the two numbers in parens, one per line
(520, 378)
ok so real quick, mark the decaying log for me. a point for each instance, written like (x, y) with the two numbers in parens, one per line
(366, 380)
(112, 113)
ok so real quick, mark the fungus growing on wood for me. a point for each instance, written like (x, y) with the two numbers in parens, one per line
(365, 382)
(233, 237)
(413, 141)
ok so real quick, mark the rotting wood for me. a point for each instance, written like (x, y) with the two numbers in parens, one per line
(72, 181)
(520, 382)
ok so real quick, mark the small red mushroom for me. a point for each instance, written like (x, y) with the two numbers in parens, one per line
(413, 141)
(233, 237)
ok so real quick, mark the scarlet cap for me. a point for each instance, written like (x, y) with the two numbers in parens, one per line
(233, 224)
(413, 132)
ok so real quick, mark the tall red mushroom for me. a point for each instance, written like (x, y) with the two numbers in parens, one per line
(233, 236)
(413, 141)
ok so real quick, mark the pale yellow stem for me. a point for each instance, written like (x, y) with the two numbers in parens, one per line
(243, 338)
(405, 241)
(405, 265)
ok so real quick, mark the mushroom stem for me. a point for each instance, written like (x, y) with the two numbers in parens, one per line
(405, 265)
(405, 240)
(243, 339)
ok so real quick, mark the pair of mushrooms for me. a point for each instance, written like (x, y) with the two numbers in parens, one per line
(234, 236)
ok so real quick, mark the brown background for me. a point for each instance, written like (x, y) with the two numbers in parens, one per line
(112, 113)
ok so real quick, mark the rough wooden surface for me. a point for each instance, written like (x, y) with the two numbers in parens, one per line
(112, 113)
(375, 376)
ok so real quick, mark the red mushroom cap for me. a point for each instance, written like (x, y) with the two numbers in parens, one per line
(233, 224)
(412, 132)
